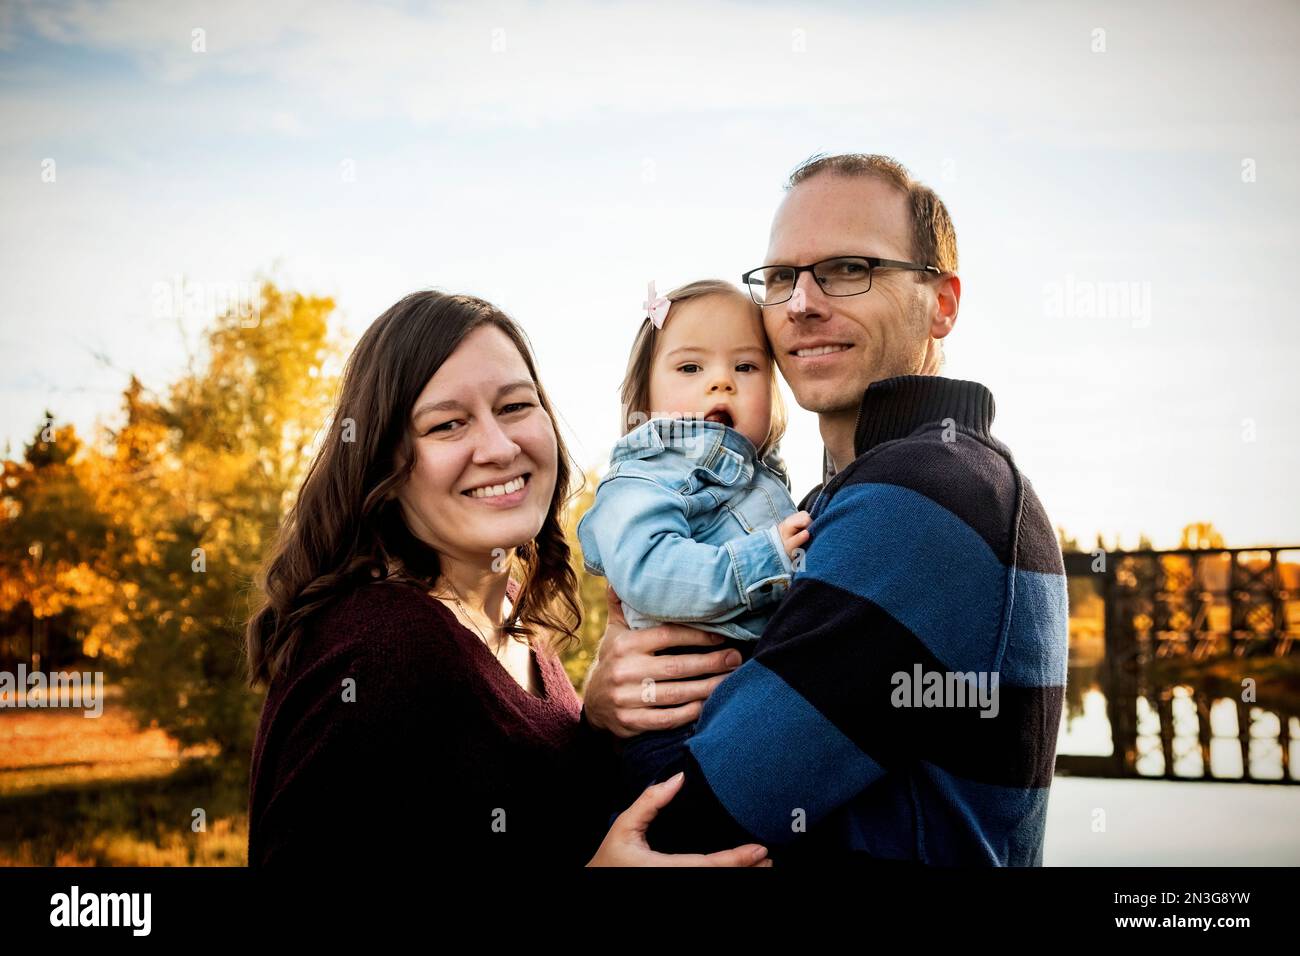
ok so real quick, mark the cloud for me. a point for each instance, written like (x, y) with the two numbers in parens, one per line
(518, 134)
(519, 64)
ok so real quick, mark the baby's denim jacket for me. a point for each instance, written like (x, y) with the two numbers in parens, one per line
(684, 528)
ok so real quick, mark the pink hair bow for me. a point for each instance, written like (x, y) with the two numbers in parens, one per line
(656, 307)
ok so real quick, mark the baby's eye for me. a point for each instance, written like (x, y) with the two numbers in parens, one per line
(688, 365)
(746, 367)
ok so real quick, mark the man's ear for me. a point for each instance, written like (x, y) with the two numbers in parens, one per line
(947, 298)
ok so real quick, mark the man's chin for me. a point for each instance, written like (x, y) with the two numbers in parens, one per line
(827, 398)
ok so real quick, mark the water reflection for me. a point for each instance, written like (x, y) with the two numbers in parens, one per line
(1162, 645)
(1086, 731)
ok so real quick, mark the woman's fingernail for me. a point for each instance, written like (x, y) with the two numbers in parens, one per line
(733, 659)
(758, 853)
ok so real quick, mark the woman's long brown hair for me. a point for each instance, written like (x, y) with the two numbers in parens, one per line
(345, 530)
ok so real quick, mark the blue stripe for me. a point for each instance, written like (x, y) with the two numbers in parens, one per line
(767, 752)
(1038, 642)
(938, 577)
(970, 822)
(923, 565)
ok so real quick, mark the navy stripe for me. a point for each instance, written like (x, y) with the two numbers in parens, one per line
(840, 653)
(921, 563)
(695, 821)
(966, 476)
(1038, 547)
(773, 759)
(948, 585)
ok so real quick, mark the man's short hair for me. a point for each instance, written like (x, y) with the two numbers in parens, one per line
(934, 241)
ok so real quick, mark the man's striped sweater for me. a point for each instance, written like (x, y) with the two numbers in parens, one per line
(930, 559)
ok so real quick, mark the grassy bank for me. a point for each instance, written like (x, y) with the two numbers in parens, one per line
(78, 791)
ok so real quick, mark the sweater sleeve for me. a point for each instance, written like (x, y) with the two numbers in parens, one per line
(347, 789)
(321, 805)
(637, 535)
(893, 581)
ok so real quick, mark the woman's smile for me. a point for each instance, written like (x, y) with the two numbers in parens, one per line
(503, 494)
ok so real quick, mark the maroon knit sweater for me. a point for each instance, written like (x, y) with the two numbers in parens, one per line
(441, 757)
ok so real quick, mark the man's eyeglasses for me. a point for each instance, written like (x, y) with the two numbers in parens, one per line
(843, 275)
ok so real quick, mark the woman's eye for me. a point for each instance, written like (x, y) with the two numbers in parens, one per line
(686, 366)
(512, 406)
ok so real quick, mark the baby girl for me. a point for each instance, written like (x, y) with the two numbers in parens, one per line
(694, 523)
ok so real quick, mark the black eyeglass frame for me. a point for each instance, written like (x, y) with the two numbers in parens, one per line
(873, 263)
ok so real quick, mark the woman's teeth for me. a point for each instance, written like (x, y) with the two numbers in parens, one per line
(493, 491)
(820, 350)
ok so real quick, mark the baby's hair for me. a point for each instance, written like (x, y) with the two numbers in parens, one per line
(635, 391)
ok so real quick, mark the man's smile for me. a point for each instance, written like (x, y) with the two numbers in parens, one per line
(817, 353)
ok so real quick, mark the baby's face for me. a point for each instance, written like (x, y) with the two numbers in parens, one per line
(712, 363)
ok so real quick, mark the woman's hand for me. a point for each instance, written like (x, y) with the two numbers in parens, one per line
(625, 843)
(630, 689)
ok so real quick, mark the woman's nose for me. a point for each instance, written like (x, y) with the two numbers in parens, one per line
(494, 445)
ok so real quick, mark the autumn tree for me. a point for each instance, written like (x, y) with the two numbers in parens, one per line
(591, 588)
(1200, 536)
(52, 537)
(194, 487)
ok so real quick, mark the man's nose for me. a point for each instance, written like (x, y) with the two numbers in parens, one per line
(807, 301)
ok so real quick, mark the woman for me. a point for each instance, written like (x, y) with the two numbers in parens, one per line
(413, 604)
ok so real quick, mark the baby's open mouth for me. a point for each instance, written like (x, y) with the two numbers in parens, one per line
(720, 415)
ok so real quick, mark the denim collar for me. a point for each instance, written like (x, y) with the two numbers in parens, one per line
(716, 447)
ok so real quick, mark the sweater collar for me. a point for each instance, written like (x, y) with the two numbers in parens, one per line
(893, 408)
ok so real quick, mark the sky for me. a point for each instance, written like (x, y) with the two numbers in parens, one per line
(1124, 180)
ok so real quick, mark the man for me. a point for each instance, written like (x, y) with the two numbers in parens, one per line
(905, 698)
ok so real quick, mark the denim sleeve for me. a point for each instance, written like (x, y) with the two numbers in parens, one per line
(638, 536)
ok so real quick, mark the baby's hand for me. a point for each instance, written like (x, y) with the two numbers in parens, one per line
(794, 531)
